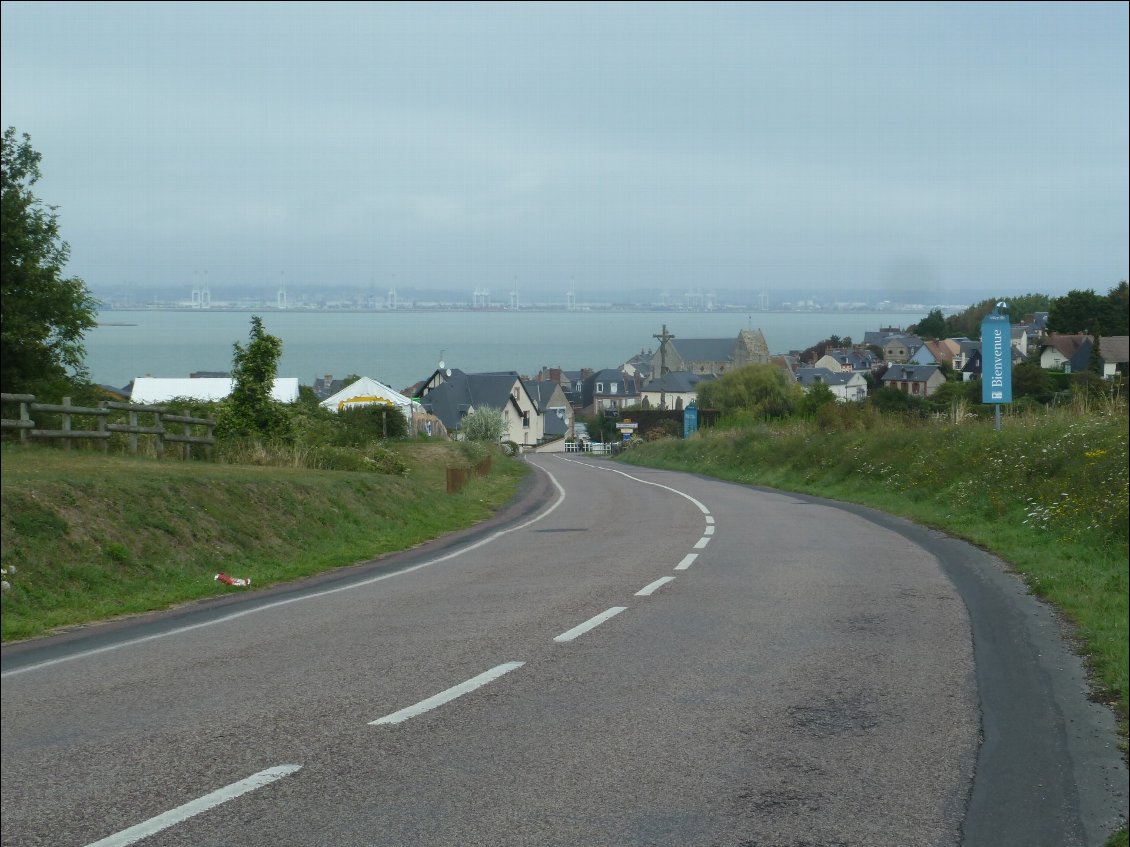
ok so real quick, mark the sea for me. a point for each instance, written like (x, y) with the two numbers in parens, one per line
(402, 347)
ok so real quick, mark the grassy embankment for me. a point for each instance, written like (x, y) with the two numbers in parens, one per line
(1048, 494)
(92, 536)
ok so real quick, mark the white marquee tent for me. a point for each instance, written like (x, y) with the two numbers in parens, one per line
(148, 390)
(368, 392)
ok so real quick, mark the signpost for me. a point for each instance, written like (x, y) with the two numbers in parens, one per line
(996, 360)
(627, 427)
(690, 420)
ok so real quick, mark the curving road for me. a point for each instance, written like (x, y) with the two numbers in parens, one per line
(627, 657)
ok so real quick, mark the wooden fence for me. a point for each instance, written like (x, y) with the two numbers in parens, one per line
(100, 423)
(457, 477)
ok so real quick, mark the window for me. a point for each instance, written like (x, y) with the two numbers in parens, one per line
(600, 388)
(611, 388)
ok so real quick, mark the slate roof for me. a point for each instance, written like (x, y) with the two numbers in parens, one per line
(678, 382)
(1115, 349)
(703, 349)
(460, 392)
(910, 373)
(811, 376)
(1075, 348)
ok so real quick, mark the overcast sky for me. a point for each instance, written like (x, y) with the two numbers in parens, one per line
(795, 147)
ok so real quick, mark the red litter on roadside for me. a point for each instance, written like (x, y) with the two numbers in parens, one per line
(232, 580)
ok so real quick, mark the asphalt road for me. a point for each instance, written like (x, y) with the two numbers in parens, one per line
(625, 657)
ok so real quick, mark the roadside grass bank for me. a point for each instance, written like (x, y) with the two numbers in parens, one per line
(92, 536)
(1048, 494)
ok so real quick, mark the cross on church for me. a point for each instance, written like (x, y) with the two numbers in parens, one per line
(663, 338)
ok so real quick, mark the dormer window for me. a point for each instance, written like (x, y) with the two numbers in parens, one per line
(600, 388)
(611, 388)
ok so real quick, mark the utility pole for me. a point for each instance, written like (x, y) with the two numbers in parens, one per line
(663, 338)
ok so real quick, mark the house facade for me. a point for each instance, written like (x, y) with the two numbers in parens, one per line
(451, 395)
(915, 380)
(675, 390)
(845, 386)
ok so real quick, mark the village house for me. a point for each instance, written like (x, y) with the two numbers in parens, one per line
(675, 390)
(556, 410)
(845, 385)
(1067, 353)
(915, 380)
(451, 395)
(608, 391)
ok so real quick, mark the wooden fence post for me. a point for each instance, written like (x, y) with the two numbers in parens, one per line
(25, 419)
(102, 427)
(66, 424)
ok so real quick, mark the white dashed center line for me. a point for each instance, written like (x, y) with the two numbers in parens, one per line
(702, 542)
(448, 695)
(195, 807)
(650, 589)
(688, 560)
(591, 623)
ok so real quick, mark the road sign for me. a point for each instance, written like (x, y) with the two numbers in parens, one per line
(996, 359)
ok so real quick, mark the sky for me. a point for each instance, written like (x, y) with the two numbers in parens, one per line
(941, 149)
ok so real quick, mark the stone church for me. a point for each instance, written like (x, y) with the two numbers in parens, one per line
(710, 355)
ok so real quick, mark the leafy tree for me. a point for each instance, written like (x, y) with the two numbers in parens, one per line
(933, 326)
(817, 395)
(250, 410)
(1030, 380)
(1117, 320)
(763, 390)
(484, 424)
(43, 316)
(967, 324)
(1077, 311)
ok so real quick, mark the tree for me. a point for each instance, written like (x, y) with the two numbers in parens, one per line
(250, 410)
(1077, 312)
(763, 390)
(43, 316)
(933, 326)
(817, 395)
(484, 424)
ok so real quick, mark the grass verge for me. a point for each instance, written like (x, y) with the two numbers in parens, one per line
(93, 537)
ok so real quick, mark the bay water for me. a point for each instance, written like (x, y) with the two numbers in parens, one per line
(402, 347)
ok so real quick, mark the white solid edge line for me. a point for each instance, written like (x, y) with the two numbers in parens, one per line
(702, 542)
(591, 623)
(448, 695)
(267, 606)
(195, 807)
(650, 589)
(701, 506)
(688, 560)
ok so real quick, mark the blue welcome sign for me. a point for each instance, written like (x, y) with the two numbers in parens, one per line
(690, 421)
(996, 358)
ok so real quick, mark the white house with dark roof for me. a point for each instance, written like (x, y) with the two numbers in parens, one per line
(845, 386)
(675, 390)
(451, 395)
